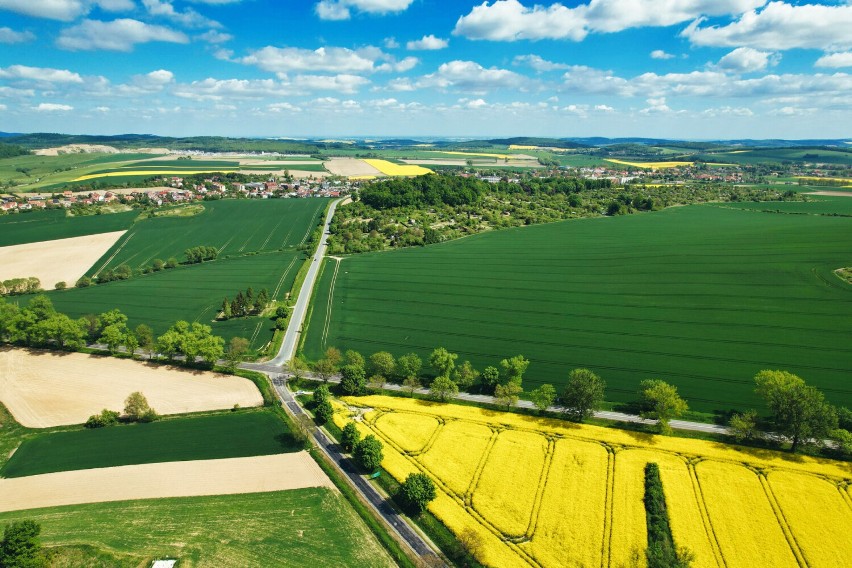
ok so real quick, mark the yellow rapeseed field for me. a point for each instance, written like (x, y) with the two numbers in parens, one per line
(152, 173)
(526, 491)
(650, 165)
(391, 169)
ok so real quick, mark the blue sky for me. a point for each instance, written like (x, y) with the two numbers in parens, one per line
(695, 69)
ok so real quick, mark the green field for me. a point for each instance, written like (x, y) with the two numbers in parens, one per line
(35, 226)
(217, 436)
(303, 527)
(776, 155)
(191, 293)
(34, 173)
(818, 205)
(234, 227)
(701, 296)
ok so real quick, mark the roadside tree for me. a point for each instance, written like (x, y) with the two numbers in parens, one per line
(661, 402)
(417, 491)
(443, 361)
(353, 379)
(799, 411)
(507, 395)
(443, 388)
(409, 365)
(368, 453)
(582, 394)
(349, 437)
(514, 369)
(465, 375)
(543, 397)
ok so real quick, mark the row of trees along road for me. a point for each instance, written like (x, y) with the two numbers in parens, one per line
(416, 491)
(799, 412)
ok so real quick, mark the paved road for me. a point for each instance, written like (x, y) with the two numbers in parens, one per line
(487, 399)
(379, 504)
(297, 318)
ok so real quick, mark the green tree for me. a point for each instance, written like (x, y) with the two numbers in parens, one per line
(323, 412)
(465, 375)
(443, 388)
(507, 395)
(324, 368)
(443, 361)
(543, 397)
(409, 365)
(136, 406)
(114, 336)
(20, 547)
(368, 453)
(744, 426)
(411, 384)
(172, 262)
(799, 411)
(417, 491)
(83, 282)
(661, 402)
(321, 395)
(382, 363)
(352, 357)
(238, 348)
(582, 394)
(514, 369)
(350, 436)
(145, 335)
(490, 378)
(353, 379)
(226, 309)
(334, 356)
(157, 265)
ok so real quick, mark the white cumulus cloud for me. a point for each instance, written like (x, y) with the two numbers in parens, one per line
(40, 74)
(538, 63)
(53, 107)
(342, 9)
(780, 26)
(509, 20)
(660, 54)
(63, 10)
(188, 18)
(427, 43)
(835, 60)
(343, 83)
(747, 60)
(117, 35)
(8, 35)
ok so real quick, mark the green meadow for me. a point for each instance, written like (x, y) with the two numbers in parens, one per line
(192, 293)
(701, 296)
(48, 225)
(234, 227)
(215, 436)
(301, 527)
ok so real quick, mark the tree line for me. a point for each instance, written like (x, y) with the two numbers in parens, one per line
(244, 304)
(38, 324)
(798, 412)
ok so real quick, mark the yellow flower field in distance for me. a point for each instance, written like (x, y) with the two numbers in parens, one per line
(153, 173)
(391, 169)
(650, 165)
(541, 492)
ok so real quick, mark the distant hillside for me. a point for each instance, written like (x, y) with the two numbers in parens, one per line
(546, 142)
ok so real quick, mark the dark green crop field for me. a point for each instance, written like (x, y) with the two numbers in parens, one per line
(818, 205)
(701, 296)
(36, 226)
(192, 293)
(217, 436)
(302, 527)
(234, 227)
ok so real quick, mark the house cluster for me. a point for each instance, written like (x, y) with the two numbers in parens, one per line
(271, 188)
(67, 200)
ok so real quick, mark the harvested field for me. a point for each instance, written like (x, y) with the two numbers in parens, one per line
(61, 260)
(45, 388)
(832, 193)
(350, 167)
(277, 472)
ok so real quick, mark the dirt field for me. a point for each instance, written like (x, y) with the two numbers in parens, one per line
(300, 174)
(49, 388)
(277, 472)
(350, 167)
(61, 260)
(832, 193)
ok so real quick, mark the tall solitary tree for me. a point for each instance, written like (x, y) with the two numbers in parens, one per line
(661, 402)
(417, 492)
(583, 393)
(799, 411)
(368, 453)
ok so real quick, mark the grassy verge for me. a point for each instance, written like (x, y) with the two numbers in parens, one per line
(250, 432)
